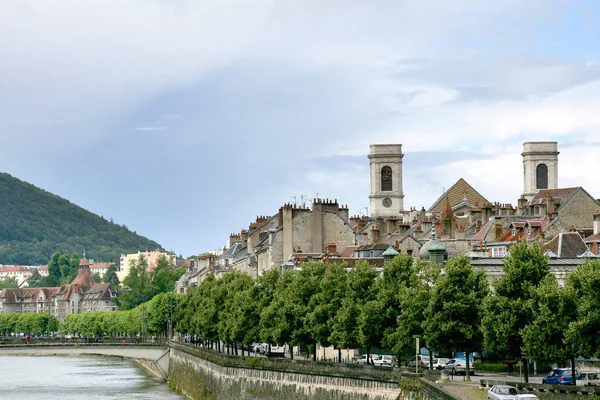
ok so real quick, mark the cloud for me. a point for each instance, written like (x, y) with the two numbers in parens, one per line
(270, 99)
(150, 128)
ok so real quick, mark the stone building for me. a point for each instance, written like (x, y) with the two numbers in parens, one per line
(81, 295)
(197, 270)
(386, 198)
(270, 241)
(540, 167)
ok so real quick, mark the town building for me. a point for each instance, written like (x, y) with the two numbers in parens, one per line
(18, 272)
(81, 295)
(100, 268)
(151, 257)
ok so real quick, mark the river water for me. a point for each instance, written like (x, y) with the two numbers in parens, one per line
(67, 378)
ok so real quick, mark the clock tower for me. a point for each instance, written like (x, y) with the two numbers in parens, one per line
(387, 198)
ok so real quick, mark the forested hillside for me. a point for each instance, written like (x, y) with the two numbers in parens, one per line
(34, 224)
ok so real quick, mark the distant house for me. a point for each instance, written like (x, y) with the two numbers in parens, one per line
(100, 268)
(150, 256)
(19, 272)
(81, 295)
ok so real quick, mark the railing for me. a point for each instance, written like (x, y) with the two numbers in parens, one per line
(543, 388)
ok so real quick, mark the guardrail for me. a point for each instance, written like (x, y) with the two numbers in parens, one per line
(544, 388)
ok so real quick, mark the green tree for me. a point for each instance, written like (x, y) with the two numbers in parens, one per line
(553, 310)
(583, 284)
(54, 271)
(508, 311)
(34, 279)
(360, 280)
(64, 264)
(138, 285)
(74, 262)
(10, 282)
(325, 303)
(394, 281)
(277, 323)
(111, 275)
(455, 309)
(414, 299)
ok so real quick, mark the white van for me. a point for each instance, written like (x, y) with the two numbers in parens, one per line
(276, 350)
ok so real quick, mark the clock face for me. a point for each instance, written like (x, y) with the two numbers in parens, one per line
(387, 202)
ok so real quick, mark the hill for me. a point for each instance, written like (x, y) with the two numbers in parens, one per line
(35, 223)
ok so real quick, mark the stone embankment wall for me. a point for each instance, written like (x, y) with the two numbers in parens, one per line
(203, 375)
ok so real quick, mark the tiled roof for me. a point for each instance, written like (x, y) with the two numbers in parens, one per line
(100, 265)
(566, 245)
(14, 268)
(348, 251)
(592, 238)
(482, 234)
(84, 278)
(457, 193)
(559, 195)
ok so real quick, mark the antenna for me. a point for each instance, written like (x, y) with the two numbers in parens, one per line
(293, 197)
(366, 210)
(303, 198)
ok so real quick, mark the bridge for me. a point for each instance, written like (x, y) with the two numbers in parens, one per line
(154, 358)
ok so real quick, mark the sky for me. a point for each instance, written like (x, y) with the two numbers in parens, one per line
(184, 120)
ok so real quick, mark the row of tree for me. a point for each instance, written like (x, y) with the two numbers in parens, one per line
(32, 324)
(328, 304)
(151, 318)
(525, 315)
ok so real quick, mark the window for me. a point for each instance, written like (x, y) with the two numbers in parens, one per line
(498, 252)
(541, 176)
(386, 179)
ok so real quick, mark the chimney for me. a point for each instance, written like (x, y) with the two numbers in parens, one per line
(332, 249)
(233, 237)
(317, 227)
(344, 213)
(522, 204)
(244, 237)
(549, 204)
(498, 230)
(597, 222)
(374, 234)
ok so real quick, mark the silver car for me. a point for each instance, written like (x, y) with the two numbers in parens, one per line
(502, 392)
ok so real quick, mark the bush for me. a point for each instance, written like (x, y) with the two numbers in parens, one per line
(491, 367)
(255, 362)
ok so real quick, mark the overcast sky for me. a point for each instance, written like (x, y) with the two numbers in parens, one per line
(184, 120)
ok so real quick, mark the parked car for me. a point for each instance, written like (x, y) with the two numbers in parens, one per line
(256, 347)
(526, 396)
(421, 360)
(385, 361)
(273, 350)
(588, 379)
(559, 376)
(459, 365)
(363, 359)
(439, 363)
(502, 392)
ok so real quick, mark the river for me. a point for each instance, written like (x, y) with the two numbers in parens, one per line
(66, 378)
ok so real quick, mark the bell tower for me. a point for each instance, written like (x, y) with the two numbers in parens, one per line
(540, 167)
(387, 198)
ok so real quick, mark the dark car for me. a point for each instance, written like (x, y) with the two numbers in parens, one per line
(559, 376)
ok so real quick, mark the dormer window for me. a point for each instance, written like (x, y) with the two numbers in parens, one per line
(514, 232)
